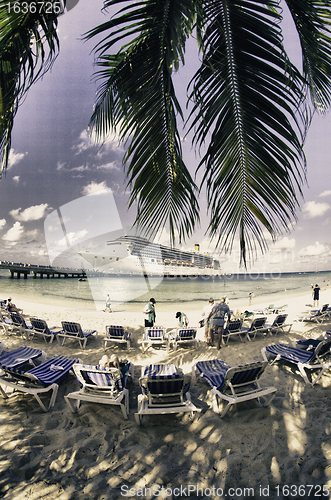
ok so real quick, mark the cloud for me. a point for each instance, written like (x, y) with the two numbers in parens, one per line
(325, 193)
(14, 233)
(2, 223)
(88, 140)
(35, 212)
(314, 250)
(94, 188)
(15, 158)
(60, 166)
(72, 238)
(285, 243)
(313, 209)
(16, 179)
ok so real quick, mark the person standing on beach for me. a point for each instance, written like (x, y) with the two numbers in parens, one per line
(316, 295)
(205, 312)
(250, 296)
(149, 310)
(217, 317)
(108, 304)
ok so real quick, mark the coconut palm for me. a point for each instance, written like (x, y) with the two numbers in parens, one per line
(248, 113)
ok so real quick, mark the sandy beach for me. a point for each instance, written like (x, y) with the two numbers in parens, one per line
(254, 452)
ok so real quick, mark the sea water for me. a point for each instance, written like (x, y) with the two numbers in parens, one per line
(136, 290)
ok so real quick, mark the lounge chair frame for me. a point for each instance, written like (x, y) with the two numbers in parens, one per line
(155, 336)
(118, 335)
(237, 384)
(31, 383)
(92, 393)
(305, 361)
(74, 331)
(163, 395)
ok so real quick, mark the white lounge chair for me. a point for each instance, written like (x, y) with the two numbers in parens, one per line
(154, 336)
(40, 327)
(164, 390)
(181, 337)
(73, 331)
(104, 385)
(305, 360)
(39, 380)
(234, 384)
(118, 335)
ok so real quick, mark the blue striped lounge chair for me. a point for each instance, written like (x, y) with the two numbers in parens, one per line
(118, 335)
(154, 336)
(104, 385)
(39, 380)
(278, 325)
(182, 337)
(72, 330)
(305, 361)
(164, 390)
(17, 358)
(257, 326)
(235, 384)
(17, 323)
(233, 327)
(310, 344)
(40, 327)
(2, 347)
(316, 315)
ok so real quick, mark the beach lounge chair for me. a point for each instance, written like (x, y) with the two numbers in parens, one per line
(16, 323)
(278, 325)
(181, 337)
(154, 336)
(101, 385)
(17, 358)
(72, 330)
(310, 344)
(2, 347)
(305, 361)
(317, 315)
(116, 334)
(233, 327)
(39, 380)
(164, 390)
(234, 384)
(40, 327)
(257, 326)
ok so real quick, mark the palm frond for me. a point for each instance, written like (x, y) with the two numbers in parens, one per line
(137, 98)
(28, 47)
(246, 93)
(313, 23)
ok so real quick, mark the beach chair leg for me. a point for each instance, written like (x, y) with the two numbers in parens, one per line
(137, 418)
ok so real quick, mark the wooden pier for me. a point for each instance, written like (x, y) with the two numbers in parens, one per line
(18, 270)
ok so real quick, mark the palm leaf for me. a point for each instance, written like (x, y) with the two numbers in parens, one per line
(137, 98)
(246, 93)
(28, 47)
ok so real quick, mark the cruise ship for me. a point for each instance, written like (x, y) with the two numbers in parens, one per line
(133, 255)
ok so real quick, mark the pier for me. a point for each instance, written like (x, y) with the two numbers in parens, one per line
(17, 270)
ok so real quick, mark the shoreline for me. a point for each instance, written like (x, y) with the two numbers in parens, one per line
(95, 453)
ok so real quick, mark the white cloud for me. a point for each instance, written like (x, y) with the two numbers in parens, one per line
(313, 209)
(325, 193)
(35, 212)
(72, 238)
(94, 188)
(14, 233)
(2, 223)
(82, 168)
(108, 166)
(15, 158)
(314, 250)
(285, 243)
(16, 179)
(60, 166)
(88, 140)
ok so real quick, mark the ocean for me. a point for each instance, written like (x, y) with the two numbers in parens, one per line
(134, 291)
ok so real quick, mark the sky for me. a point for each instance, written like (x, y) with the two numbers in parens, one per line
(53, 162)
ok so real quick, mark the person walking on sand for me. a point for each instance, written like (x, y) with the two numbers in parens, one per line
(205, 312)
(316, 295)
(108, 304)
(217, 317)
(149, 310)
